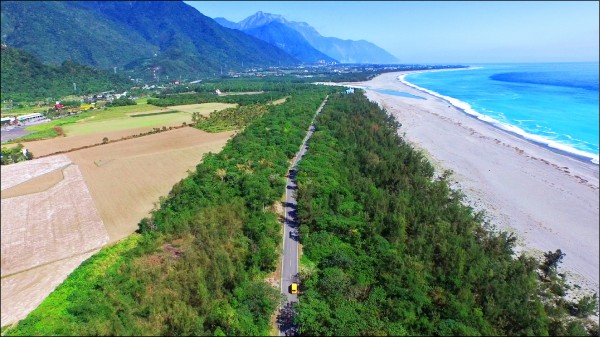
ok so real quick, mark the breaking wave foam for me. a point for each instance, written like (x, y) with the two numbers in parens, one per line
(466, 108)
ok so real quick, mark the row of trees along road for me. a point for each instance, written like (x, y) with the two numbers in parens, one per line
(391, 250)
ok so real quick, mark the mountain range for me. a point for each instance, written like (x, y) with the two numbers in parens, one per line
(154, 39)
(143, 37)
(344, 51)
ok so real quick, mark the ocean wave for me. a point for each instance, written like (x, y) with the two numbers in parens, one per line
(466, 108)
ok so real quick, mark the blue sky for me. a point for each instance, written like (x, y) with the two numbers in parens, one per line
(465, 32)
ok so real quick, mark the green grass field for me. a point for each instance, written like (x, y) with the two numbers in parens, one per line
(119, 118)
(139, 116)
(123, 123)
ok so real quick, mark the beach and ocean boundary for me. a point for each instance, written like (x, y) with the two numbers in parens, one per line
(548, 198)
(468, 110)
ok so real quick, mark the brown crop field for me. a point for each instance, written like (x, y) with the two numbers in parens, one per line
(47, 146)
(126, 178)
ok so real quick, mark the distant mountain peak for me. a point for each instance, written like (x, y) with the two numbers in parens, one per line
(260, 18)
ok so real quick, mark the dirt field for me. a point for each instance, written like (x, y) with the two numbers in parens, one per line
(279, 101)
(47, 146)
(25, 291)
(35, 185)
(126, 178)
(51, 225)
(240, 93)
(18, 173)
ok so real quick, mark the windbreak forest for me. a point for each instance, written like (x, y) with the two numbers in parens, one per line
(199, 264)
(390, 250)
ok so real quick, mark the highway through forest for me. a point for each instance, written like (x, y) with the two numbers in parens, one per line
(289, 258)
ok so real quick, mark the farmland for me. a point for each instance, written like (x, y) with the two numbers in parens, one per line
(49, 225)
(122, 118)
(128, 177)
(71, 205)
(151, 118)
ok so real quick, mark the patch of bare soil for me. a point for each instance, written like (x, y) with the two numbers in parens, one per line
(34, 185)
(127, 178)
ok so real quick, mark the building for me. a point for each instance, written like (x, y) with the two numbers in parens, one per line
(30, 118)
(7, 121)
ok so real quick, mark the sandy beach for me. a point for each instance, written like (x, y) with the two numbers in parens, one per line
(547, 199)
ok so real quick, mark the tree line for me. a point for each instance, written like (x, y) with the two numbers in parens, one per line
(391, 250)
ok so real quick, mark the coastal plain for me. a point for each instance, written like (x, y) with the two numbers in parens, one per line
(61, 209)
(548, 200)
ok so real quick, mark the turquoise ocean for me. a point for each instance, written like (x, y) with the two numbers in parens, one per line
(551, 104)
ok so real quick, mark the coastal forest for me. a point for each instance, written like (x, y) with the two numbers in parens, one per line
(389, 249)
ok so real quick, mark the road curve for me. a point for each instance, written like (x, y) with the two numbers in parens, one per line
(289, 258)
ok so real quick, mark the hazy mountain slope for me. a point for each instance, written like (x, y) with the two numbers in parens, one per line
(345, 51)
(260, 18)
(289, 40)
(226, 23)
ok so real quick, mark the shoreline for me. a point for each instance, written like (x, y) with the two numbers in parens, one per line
(546, 196)
(581, 157)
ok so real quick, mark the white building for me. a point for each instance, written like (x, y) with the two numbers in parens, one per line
(30, 117)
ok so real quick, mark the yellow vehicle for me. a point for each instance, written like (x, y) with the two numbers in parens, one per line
(294, 288)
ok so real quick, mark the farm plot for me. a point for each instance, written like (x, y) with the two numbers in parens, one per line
(48, 146)
(25, 291)
(18, 173)
(51, 225)
(124, 123)
(204, 109)
(127, 178)
(125, 120)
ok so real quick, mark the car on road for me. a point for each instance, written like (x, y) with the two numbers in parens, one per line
(294, 288)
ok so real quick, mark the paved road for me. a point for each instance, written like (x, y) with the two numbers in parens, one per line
(289, 259)
(17, 131)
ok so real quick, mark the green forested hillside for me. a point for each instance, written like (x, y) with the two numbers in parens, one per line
(140, 37)
(55, 31)
(200, 263)
(390, 250)
(24, 78)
